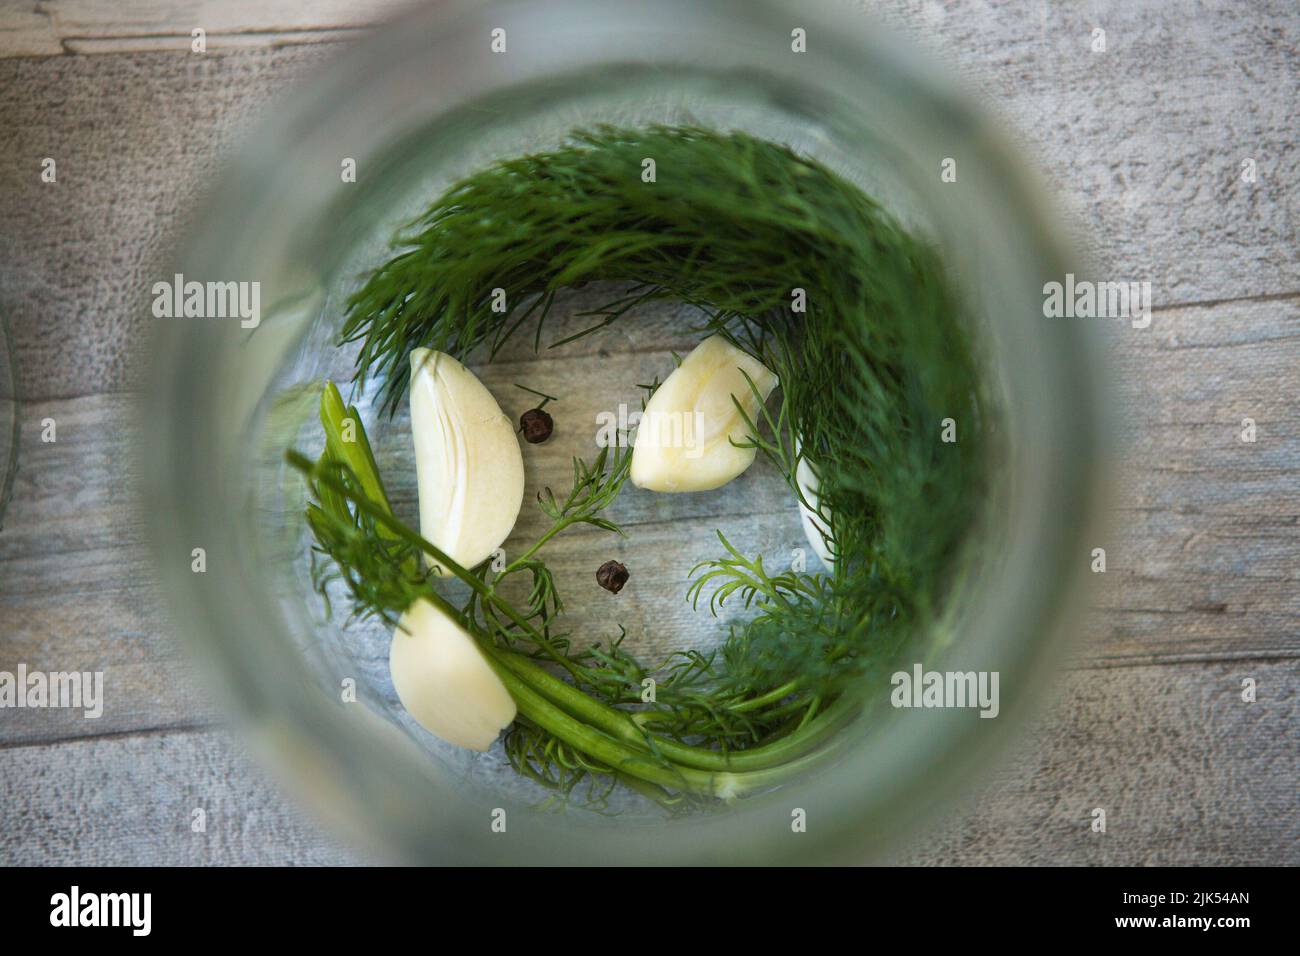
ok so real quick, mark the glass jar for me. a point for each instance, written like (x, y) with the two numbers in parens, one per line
(425, 101)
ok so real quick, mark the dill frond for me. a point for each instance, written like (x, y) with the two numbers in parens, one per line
(879, 358)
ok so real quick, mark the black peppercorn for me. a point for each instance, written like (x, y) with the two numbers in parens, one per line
(612, 576)
(536, 425)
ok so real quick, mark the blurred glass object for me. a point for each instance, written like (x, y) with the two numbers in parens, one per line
(425, 101)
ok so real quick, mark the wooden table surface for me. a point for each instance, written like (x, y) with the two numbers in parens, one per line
(1143, 144)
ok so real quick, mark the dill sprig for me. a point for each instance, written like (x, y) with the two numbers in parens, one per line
(565, 735)
(877, 358)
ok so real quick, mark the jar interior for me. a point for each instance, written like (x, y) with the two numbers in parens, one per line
(260, 388)
(596, 374)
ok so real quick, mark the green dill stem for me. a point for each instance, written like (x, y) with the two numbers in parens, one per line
(742, 707)
(620, 725)
(771, 697)
(613, 725)
(330, 501)
(355, 453)
(726, 782)
(638, 763)
(583, 483)
(385, 518)
(813, 706)
(651, 791)
(593, 742)
(555, 529)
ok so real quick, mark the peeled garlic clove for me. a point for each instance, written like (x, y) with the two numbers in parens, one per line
(813, 525)
(444, 682)
(683, 442)
(468, 465)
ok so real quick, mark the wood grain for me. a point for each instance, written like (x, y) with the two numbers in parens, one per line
(77, 587)
(1203, 551)
(1149, 169)
(130, 801)
(83, 26)
(1143, 143)
(1186, 771)
(1204, 546)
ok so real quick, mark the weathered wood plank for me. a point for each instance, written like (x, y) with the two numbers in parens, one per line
(78, 254)
(1145, 140)
(83, 26)
(221, 42)
(130, 801)
(1203, 552)
(1188, 775)
(1151, 168)
(77, 588)
(27, 32)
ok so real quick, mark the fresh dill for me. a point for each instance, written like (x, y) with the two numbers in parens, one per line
(872, 360)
